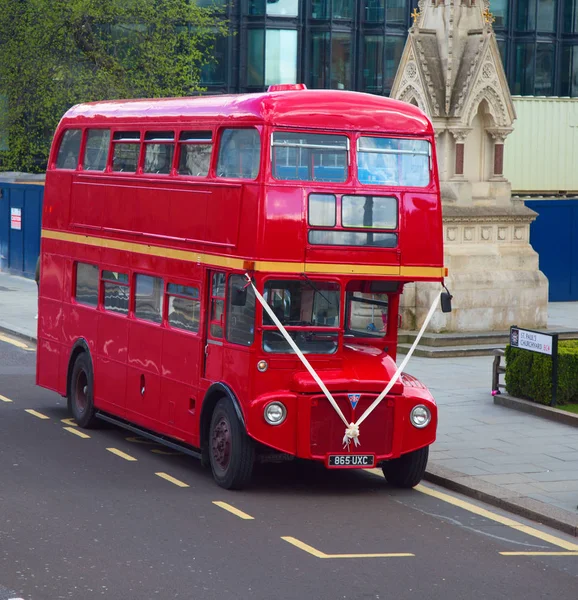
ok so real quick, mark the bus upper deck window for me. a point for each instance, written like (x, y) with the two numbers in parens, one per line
(126, 151)
(96, 151)
(239, 153)
(310, 157)
(393, 162)
(69, 149)
(195, 153)
(159, 150)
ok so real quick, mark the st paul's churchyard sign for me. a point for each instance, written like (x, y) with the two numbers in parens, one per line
(542, 343)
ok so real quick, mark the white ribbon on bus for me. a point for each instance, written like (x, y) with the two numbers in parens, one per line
(351, 429)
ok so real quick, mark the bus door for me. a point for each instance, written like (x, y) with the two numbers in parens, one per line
(215, 310)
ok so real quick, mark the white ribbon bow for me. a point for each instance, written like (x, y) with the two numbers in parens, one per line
(351, 433)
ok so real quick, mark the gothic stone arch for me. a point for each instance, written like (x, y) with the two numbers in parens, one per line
(497, 110)
(411, 95)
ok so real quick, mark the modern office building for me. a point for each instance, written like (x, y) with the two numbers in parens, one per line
(357, 44)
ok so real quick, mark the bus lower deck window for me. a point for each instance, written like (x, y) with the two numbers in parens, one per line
(115, 291)
(240, 311)
(86, 290)
(184, 308)
(148, 302)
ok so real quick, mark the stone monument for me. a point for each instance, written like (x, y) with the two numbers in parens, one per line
(451, 69)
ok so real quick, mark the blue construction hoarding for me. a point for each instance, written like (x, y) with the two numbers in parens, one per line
(20, 224)
(554, 236)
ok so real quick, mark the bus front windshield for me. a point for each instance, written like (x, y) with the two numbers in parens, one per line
(302, 306)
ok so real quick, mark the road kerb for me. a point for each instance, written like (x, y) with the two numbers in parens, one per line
(18, 334)
(526, 507)
(535, 408)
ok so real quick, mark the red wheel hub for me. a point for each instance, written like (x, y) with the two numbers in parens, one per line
(81, 391)
(221, 443)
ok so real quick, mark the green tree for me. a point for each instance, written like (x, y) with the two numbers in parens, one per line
(57, 53)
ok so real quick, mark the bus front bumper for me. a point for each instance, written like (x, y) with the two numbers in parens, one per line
(312, 429)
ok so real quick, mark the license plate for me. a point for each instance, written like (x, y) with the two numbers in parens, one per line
(350, 461)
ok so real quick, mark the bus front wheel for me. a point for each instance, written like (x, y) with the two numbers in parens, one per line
(231, 450)
(407, 470)
(80, 393)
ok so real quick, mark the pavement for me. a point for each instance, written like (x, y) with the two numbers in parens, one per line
(518, 461)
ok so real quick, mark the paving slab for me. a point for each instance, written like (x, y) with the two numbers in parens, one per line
(18, 305)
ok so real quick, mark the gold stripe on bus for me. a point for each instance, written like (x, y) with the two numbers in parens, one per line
(422, 271)
(216, 260)
(188, 255)
(352, 269)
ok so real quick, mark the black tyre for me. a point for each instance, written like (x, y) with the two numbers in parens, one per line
(231, 450)
(80, 394)
(407, 470)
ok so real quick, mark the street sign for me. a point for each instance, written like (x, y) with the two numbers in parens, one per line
(543, 343)
(531, 340)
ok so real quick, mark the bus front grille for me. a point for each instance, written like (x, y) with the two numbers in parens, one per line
(327, 429)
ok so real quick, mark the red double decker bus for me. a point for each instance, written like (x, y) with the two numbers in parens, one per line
(223, 274)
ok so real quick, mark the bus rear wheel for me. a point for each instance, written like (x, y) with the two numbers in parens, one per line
(407, 470)
(231, 450)
(80, 392)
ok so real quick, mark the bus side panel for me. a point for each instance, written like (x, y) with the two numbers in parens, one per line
(250, 209)
(81, 322)
(111, 358)
(222, 224)
(143, 373)
(50, 325)
(144, 208)
(284, 235)
(180, 405)
(238, 370)
(188, 210)
(56, 202)
(421, 230)
(48, 365)
(87, 203)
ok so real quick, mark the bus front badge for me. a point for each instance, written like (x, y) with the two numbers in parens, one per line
(353, 399)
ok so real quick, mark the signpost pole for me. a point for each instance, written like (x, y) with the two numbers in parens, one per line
(554, 369)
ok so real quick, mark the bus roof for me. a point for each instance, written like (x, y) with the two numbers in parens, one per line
(318, 109)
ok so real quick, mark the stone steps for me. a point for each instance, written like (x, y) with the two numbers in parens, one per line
(451, 351)
(444, 345)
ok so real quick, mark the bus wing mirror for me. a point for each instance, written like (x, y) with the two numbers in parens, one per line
(239, 296)
(446, 300)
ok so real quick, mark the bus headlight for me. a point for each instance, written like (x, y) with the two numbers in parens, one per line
(420, 416)
(275, 413)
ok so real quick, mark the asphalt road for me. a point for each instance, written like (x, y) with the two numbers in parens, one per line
(78, 520)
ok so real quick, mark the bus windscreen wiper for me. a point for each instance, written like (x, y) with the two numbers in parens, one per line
(316, 290)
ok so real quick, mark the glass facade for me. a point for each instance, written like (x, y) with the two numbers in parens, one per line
(357, 44)
(537, 39)
(271, 57)
(330, 60)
